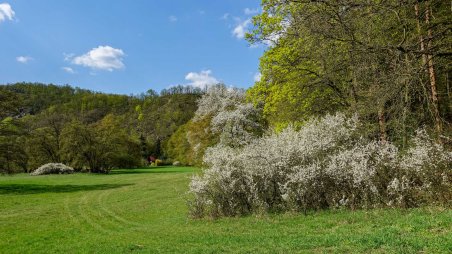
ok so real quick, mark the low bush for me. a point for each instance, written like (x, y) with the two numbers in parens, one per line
(325, 164)
(52, 168)
(158, 163)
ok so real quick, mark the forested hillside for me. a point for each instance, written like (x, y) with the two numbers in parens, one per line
(88, 130)
(388, 61)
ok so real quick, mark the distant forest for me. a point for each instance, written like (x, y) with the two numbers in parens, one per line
(89, 130)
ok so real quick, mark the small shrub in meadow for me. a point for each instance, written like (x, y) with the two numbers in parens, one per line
(53, 168)
(158, 162)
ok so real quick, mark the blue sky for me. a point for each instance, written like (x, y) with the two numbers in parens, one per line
(124, 46)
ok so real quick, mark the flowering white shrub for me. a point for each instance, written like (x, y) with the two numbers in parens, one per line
(425, 153)
(237, 127)
(53, 168)
(218, 98)
(224, 117)
(324, 164)
(425, 174)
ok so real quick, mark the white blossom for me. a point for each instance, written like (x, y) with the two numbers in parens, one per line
(218, 98)
(53, 168)
(323, 164)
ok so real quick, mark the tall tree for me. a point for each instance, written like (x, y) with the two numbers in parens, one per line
(361, 56)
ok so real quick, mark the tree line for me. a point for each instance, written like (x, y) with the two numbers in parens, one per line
(87, 130)
(388, 61)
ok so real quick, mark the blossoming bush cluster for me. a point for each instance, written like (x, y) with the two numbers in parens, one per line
(215, 103)
(53, 168)
(325, 164)
(224, 117)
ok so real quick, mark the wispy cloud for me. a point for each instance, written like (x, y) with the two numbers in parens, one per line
(68, 70)
(249, 11)
(172, 18)
(225, 16)
(68, 57)
(23, 59)
(6, 12)
(241, 29)
(101, 58)
(201, 79)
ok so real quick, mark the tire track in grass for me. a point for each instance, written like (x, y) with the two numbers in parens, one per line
(68, 211)
(87, 216)
(21, 214)
(112, 222)
(103, 206)
(80, 214)
(92, 208)
(73, 208)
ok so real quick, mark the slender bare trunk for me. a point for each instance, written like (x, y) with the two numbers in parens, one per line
(421, 38)
(431, 70)
(405, 106)
(427, 59)
(382, 124)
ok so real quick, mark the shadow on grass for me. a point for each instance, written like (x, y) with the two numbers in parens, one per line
(23, 189)
(159, 170)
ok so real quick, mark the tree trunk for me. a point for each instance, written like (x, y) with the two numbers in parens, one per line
(427, 59)
(382, 124)
(405, 109)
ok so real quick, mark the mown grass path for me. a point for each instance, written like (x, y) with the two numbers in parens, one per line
(145, 211)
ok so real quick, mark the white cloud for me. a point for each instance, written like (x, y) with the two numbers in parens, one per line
(68, 70)
(257, 77)
(249, 11)
(6, 12)
(225, 16)
(241, 29)
(201, 79)
(68, 57)
(101, 58)
(172, 18)
(23, 59)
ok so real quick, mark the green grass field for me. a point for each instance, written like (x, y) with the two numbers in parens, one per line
(145, 211)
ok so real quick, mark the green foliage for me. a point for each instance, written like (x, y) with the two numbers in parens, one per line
(88, 130)
(122, 148)
(9, 103)
(81, 148)
(326, 56)
(160, 117)
(292, 89)
(12, 155)
(42, 147)
(99, 147)
(200, 137)
(178, 148)
(189, 143)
